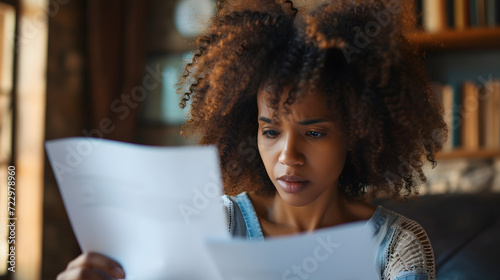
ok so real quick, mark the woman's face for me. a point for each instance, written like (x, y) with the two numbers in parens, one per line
(303, 150)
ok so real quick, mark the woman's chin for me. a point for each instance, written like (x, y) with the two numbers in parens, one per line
(294, 199)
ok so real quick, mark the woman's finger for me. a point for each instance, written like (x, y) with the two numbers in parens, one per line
(97, 262)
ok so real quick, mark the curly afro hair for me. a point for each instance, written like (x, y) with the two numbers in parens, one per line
(354, 51)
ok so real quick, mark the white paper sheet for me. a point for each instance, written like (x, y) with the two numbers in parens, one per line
(345, 252)
(153, 208)
(149, 208)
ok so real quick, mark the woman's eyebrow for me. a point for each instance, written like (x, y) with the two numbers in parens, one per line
(266, 120)
(305, 122)
(312, 121)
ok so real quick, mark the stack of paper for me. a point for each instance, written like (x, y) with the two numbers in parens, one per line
(158, 212)
(149, 208)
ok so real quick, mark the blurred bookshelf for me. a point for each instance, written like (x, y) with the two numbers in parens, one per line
(471, 154)
(461, 39)
(451, 40)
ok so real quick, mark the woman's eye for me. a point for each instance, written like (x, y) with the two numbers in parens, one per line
(314, 134)
(271, 133)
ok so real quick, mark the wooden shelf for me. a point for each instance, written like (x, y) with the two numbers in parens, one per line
(468, 154)
(468, 39)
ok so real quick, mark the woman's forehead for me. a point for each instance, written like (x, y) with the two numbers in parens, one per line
(269, 92)
(310, 104)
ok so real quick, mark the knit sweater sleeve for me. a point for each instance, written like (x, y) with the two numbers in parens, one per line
(409, 254)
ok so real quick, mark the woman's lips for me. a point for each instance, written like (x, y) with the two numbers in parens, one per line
(292, 184)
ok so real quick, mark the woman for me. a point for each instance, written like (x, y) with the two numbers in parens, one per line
(336, 101)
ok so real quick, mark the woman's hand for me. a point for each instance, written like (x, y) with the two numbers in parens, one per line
(92, 266)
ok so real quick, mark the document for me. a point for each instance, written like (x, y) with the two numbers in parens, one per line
(158, 211)
(149, 208)
(345, 252)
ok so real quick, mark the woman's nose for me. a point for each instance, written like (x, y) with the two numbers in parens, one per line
(291, 153)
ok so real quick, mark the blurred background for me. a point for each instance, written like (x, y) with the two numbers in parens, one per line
(107, 69)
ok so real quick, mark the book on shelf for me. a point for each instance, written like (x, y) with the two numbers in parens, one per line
(438, 15)
(489, 108)
(477, 13)
(457, 116)
(434, 18)
(492, 13)
(461, 14)
(460, 11)
(450, 15)
(444, 95)
(472, 114)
